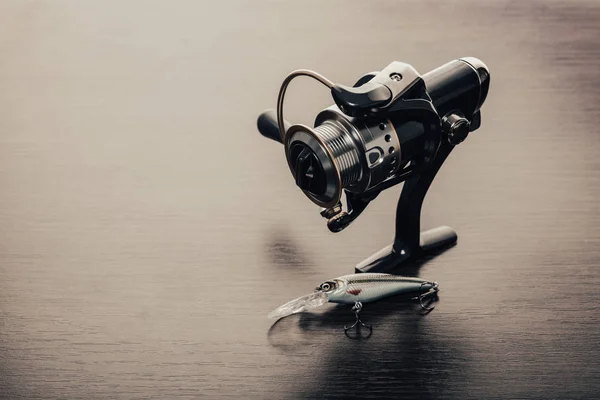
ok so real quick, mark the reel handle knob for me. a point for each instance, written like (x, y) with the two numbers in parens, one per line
(267, 125)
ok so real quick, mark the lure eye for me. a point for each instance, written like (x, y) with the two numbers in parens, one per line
(327, 286)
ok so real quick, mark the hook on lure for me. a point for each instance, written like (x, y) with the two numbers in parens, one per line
(426, 307)
(431, 294)
(357, 289)
(358, 323)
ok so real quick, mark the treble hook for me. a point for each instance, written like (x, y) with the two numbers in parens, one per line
(358, 323)
(432, 291)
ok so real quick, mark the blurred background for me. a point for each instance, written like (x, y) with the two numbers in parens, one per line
(146, 228)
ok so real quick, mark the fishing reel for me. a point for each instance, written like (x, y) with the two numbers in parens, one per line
(389, 127)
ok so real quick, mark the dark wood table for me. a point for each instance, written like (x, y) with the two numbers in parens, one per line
(147, 228)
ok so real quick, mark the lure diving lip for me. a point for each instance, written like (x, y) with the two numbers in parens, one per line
(303, 303)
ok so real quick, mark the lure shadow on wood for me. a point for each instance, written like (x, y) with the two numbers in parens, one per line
(405, 350)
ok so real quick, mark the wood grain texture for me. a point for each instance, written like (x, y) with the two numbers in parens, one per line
(147, 228)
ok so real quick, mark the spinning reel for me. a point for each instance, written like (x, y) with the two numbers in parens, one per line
(392, 126)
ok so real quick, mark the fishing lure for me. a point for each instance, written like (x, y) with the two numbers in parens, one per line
(357, 289)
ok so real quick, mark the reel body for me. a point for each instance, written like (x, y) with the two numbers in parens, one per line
(391, 126)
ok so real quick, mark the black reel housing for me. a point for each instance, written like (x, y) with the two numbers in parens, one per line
(391, 126)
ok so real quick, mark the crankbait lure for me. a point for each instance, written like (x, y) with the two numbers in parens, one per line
(358, 289)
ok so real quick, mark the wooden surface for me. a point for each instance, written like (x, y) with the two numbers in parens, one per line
(147, 229)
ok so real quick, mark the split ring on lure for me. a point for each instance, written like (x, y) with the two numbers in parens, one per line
(357, 289)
